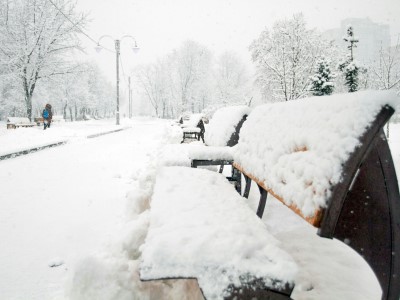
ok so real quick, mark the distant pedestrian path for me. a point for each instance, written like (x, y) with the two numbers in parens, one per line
(28, 140)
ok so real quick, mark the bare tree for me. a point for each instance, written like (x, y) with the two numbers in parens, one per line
(386, 70)
(153, 80)
(36, 37)
(231, 79)
(191, 66)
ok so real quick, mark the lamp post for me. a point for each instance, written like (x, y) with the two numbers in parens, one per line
(117, 43)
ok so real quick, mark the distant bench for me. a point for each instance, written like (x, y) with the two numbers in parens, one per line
(54, 119)
(326, 158)
(38, 121)
(193, 127)
(221, 135)
(15, 122)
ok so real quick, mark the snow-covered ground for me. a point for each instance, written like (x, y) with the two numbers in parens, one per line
(72, 220)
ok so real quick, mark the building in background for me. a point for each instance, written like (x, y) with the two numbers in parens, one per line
(372, 37)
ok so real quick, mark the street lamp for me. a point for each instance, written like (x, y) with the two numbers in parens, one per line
(117, 43)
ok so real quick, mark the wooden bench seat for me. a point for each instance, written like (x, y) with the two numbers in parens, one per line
(217, 240)
(191, 133)
(328, 160)
(15, 122)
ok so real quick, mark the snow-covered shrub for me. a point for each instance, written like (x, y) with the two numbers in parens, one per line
(322, 80)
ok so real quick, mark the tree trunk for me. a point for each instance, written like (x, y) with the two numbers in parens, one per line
(65, 110)
(163, 111)
(70, 114)
(28, 102)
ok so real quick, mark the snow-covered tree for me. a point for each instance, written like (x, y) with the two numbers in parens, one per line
(322, 81)
(154, 82)
(35, 38)
(285, 58)
(350, 68)
(191, 65)
(77, 94)
(11, 99)
(231, 79)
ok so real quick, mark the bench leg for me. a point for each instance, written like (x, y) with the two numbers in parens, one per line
(263, 200)
(221, 168)
(237, 176)
(247, 187)
(257, 290)
(368, 219)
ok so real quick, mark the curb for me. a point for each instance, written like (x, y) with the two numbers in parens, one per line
(104, 133)
(32, 150)
(39, 148)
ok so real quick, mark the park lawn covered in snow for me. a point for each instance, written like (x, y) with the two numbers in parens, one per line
(83, 206)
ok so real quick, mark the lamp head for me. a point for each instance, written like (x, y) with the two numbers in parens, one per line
(135, 48)
(98, 48)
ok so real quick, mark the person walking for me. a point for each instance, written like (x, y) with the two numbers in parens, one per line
(47, 115)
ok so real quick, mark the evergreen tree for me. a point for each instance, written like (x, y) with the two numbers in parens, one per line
(321, 81)
(349, 67)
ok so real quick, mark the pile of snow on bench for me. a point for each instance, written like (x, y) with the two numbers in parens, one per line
(223, 124)
(191, 124)
(201, 228)
(297, 149)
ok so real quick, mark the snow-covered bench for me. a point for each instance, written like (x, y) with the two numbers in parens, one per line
(200, 227)
(38, 120)
(222, 134)
(15, 122)
(327, 159)
(193, 128)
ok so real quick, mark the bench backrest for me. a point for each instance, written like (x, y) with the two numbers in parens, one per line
(225, 125)
(18, 120)
(298, 149)
(328, 159)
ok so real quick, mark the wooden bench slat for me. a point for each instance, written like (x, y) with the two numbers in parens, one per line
(314, 220)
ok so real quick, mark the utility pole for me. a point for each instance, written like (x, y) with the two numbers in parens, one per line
(117, 42)
(117, 50)
(130, 97)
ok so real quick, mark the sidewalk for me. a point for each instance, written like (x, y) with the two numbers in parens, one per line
(23, 141)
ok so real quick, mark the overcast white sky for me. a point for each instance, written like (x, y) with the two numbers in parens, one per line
(160, 26)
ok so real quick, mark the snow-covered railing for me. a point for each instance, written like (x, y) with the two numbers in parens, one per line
(327, 159)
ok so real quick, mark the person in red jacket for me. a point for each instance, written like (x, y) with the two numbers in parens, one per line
(47, 115)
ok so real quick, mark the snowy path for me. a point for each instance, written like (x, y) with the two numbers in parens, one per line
(60, 204)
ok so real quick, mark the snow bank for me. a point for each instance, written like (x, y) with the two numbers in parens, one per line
(175, 155)
(297, 148)
(223, 124)
(114, 273)
(193, 235)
